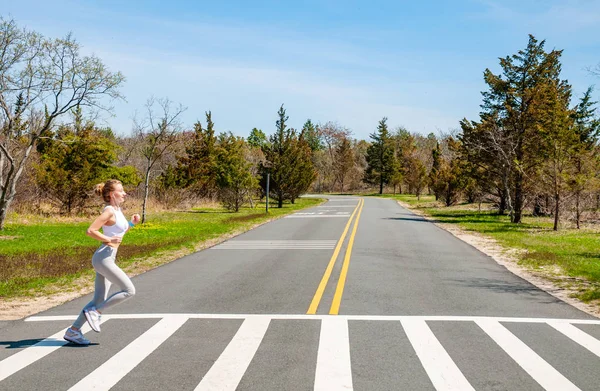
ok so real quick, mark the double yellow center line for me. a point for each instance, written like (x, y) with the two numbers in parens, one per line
(337, 297)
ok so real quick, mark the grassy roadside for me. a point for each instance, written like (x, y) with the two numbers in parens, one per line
(569, 257)
(41, 256)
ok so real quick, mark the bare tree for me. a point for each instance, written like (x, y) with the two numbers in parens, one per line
(332, 135)
(40, 81)
(156, 133)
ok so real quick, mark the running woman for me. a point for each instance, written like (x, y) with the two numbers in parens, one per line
(114, 225)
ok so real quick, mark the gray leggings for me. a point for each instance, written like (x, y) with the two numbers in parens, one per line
(107, 272)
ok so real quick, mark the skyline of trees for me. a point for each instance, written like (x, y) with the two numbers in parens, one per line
(534, 145)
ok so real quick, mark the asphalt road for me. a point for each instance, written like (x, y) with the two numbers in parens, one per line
(353, 294)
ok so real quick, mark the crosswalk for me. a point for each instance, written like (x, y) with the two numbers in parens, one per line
(335, 365)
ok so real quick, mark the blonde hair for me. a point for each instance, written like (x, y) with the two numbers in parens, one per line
(104, 189)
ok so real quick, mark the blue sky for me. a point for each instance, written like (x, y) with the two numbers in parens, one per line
(352, 62)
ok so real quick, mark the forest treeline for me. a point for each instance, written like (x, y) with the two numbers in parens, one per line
(533, 149)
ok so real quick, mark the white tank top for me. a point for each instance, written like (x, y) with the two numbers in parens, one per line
(120, 226)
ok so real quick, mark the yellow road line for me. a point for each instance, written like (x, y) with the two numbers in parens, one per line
(339, 291)
(321, 288)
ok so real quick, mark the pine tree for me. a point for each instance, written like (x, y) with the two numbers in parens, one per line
(257, 138)
(196, 169)
(75, 159)
(277, 164)
(559, 140)
(514, 97)
(311, 135)
(435, 168)
(380, 156)
(233, 177)
(587, 128)
(302, 171)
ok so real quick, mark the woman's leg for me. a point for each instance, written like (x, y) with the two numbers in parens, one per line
(101, 287)
(114, 274)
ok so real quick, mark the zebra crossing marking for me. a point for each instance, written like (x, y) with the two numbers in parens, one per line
(28, 356)
(579, 336)
(441, 369)
(542, 372)
(119, 365)
(333, 367)
(443, 318)
(333, 371)
(227, 371)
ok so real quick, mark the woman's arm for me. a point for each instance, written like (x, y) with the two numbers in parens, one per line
(94, 229)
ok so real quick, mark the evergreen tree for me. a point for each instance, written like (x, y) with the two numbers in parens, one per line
(586, 128)
(312, 137)
(302, 173)
(288, 161)
(514, 97)
(380, 156)
(435, 168)
(233, 176)
(558, 139)
(278, 162)
(257, 138)
(74, 159)
(196, 169)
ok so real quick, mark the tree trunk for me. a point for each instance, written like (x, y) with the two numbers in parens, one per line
(556, 210)
(10, 184)
(537, 207)
(502, 203)
(577, 208)
(381, 184)
(146, 191)
(518, 198)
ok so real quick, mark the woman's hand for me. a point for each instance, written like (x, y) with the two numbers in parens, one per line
(115, 240)
(135, 218)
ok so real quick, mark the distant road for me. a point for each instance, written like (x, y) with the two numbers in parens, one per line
(358, 293)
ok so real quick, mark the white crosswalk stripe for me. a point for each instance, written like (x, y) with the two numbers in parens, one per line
(579, 336)
(442, 371)
(109, 373)
(540, 370)
(28, 356)
(333, 368)
(227, 372)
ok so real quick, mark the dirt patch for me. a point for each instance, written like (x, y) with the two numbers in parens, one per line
(550, 279)
(20, 307)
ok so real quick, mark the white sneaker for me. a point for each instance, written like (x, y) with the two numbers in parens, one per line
(76, 337)
(93, 318)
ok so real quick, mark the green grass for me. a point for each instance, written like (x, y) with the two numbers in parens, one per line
(575, 252)
(44, 254)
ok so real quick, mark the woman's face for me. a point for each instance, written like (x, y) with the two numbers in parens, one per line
(118, 194)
